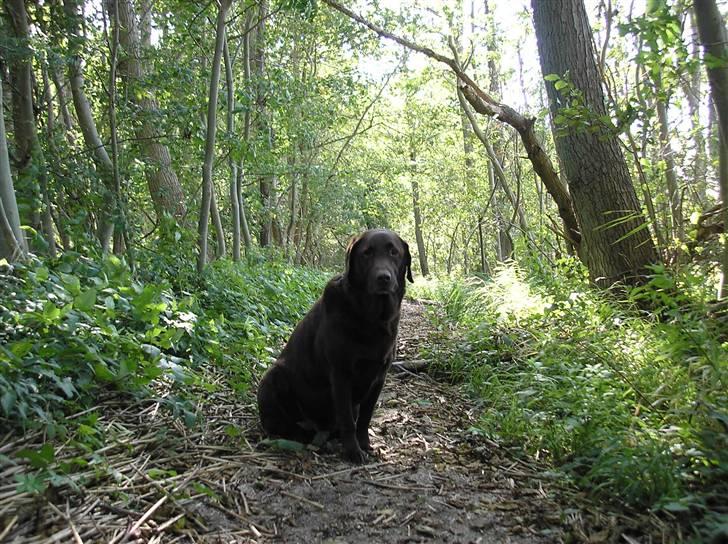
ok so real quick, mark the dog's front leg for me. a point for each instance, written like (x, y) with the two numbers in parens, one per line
(365, 415)
(341, 385)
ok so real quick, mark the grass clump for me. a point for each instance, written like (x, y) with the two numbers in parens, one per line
(630, 404)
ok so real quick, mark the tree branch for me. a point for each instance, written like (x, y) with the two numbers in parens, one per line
(484, 104)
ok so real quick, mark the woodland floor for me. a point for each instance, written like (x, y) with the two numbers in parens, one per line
(156, 480)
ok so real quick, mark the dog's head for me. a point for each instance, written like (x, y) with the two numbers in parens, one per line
(378, 261)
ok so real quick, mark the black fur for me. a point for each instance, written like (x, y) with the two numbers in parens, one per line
(331, 371)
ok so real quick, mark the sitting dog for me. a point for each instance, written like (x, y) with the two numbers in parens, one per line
(331, 371)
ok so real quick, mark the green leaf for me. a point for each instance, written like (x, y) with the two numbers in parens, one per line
(561, 84)
(38, 458)
(103, 373)
(86, 300)
(71, 283)
(51, 312)
(7, 401)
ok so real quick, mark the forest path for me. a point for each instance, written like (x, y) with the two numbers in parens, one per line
(156, 480)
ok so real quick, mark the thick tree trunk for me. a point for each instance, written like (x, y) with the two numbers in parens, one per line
(713, 38)
(207, 188)
(164, 186)
(12, 241)
(616, 242)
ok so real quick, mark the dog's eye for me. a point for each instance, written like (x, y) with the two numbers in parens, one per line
(394, 252)
(368, 252)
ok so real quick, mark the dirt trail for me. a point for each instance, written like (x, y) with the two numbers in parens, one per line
(158, 481)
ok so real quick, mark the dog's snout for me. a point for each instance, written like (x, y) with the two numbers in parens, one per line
(384, 277)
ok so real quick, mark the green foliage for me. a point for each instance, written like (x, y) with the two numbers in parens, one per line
(631, 405)
(74, 329)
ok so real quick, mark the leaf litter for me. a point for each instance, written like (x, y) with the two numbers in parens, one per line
(431, 480)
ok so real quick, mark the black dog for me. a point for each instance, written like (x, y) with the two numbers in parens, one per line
(329, 375)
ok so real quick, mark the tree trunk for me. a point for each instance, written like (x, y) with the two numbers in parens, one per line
(207, 188)
(60, 86)
(673, 188)
(713, 38)
(12, 241)
(692, 93)
(267, 180)
(220, 247)
(230, 128)
(164, 186)
(421, 251)
(617, 243)
(91, 137)
(32, 169)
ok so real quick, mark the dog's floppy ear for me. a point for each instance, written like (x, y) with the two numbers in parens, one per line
(349, 271)
(407, 260)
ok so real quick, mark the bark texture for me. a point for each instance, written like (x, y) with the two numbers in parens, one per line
(615, 247)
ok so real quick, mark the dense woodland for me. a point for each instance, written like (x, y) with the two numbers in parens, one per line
(178, 179)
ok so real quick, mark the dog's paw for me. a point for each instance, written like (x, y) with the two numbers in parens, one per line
(365, 445)
(355, 455)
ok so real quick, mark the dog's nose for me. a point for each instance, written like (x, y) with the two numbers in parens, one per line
(383, 278)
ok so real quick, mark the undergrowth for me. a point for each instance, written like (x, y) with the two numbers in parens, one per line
(75, 329)
(629, 403)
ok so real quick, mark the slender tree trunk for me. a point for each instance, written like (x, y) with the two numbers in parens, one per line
(617, 243)
(32, 168)
(723, 179)
(207, 188)
(12, 241)
(499, 173)
(91, 137)
(220, 246)
(164, 186)
(267, 181)
(713, 38)
(421, 250)
(230, 127)
(666, 154)
(692, 93)
(60, 85)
